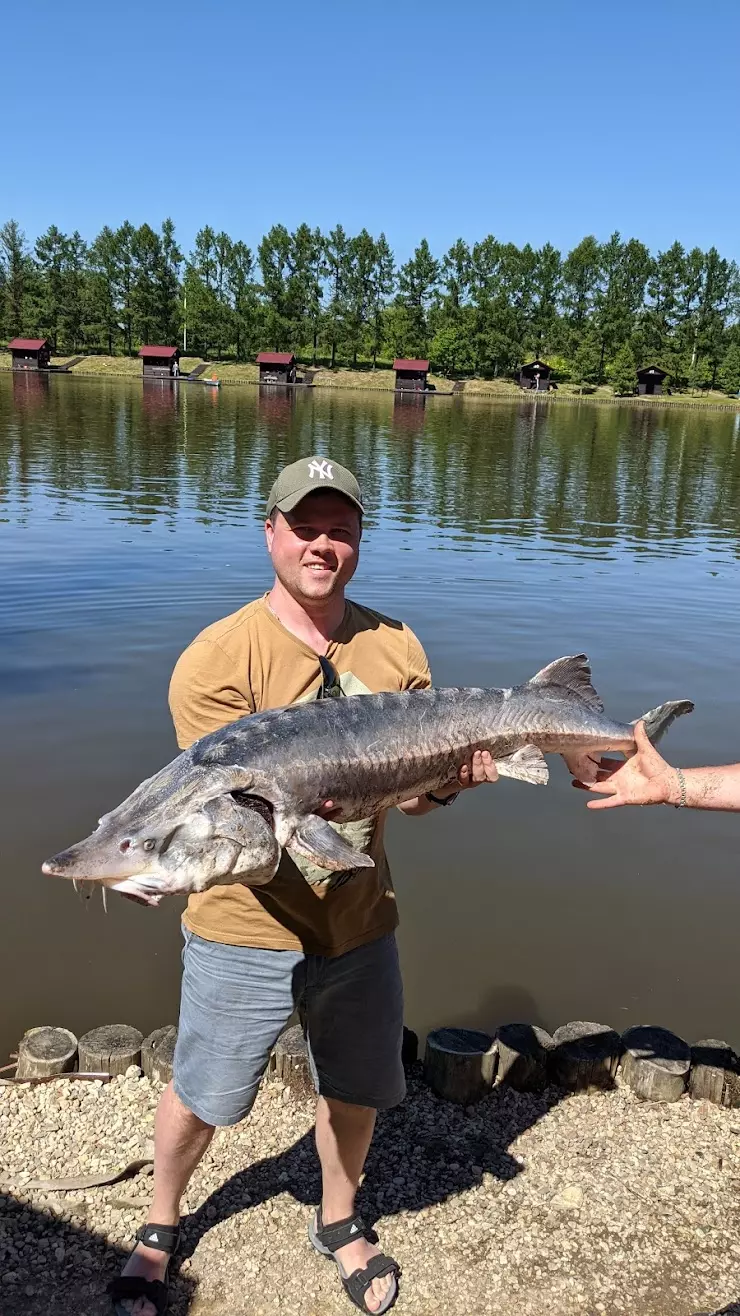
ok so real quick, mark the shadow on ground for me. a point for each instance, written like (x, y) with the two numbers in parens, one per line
(77, 1265)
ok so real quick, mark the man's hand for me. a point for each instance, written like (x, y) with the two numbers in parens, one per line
(480, 769)
(644, 778)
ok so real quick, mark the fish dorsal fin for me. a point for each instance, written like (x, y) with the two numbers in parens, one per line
(573, 673)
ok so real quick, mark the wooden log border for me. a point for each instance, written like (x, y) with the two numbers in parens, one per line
(460, 1065)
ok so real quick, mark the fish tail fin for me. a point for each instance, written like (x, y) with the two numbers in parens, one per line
(525, 764)
(574, 674)
(658, 720)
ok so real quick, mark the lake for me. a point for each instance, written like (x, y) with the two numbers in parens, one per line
(506, 535)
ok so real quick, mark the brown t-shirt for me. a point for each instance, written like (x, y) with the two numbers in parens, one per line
(249, 662)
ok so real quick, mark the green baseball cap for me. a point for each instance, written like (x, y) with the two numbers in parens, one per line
(312, 475)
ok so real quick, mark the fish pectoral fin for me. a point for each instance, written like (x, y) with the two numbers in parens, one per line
(573, 673)
(316, 840)
(525, 764)
(582, 764)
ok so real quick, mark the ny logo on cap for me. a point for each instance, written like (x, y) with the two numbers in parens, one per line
(322, 469)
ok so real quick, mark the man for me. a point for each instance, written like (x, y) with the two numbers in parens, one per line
(319, 940)
(646, 778)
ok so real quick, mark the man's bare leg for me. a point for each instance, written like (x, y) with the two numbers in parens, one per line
(343, 1136)
(180, 1141)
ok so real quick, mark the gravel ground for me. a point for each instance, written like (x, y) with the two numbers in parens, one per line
(519, 1206)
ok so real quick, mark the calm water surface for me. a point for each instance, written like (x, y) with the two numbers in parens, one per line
(130, 517)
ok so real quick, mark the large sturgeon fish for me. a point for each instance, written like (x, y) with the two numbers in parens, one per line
(223, 810)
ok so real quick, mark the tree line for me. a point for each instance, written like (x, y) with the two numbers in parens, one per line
(596, 313)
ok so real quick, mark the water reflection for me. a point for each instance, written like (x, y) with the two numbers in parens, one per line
(583, 476)
(505, 535)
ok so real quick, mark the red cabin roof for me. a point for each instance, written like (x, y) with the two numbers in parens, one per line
(27, 344)
(166, 353)
(275, 359)
(401, 364)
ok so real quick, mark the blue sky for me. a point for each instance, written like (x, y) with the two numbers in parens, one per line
(532, 121)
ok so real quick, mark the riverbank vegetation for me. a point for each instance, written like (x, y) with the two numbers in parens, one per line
(477, 311)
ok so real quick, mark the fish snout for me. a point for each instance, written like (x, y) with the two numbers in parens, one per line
(99, 859)
(62, 864)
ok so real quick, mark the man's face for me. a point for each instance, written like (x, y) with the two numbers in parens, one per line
(315, 548)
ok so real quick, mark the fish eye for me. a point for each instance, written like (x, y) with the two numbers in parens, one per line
(149, 845)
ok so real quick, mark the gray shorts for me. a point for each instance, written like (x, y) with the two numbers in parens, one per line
(236, 1000)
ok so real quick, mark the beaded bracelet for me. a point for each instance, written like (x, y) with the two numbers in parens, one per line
(682, 783)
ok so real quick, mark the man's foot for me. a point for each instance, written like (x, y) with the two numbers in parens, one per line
(148, 1263)
(355, 1256)
(352, 1247)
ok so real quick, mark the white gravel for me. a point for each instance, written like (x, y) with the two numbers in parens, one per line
(564, 1206)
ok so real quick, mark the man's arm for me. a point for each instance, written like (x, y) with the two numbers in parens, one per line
(646, 778)
(205, 692)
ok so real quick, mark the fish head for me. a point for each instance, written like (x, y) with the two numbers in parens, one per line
(160, 842)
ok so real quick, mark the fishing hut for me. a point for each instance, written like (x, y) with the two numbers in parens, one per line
(276, 367)
(159, 362)
(411, 376)
(30, 353)
(650, 381)
(536, 376)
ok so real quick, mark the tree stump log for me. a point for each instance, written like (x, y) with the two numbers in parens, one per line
(460, 1064)
(656, 1063)
(110, 1049)
(289, 1060)
(715, 1073)
(158, 1053)
(409, 1047)
(584, 1055)
(44, 1052)
(523, 1051)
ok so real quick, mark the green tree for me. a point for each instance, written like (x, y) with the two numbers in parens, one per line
(417, 284)
(729, 371)
(623, 372)
(144, 302)
(586, 366)
(50, 251)
(360, 290)
(243, 297)
(75, 275)
(581, 272)
(169, 265)
(17, 280)
(384, 281)
(451, 349)
(309, 272)
(102, 289)
(125, 275)
(274, 255)
(338, 262)
(624, 269)
(548, 277)
(456, 275)
(204, 311)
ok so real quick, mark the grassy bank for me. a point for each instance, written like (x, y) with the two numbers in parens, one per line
(383, 380)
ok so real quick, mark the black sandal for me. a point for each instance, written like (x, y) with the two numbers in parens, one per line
(163, 1238)
(328, 1239)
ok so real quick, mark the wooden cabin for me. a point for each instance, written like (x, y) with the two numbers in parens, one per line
(30, 353)
(536, 375)
(159, 362)
(276, 367)
(411, 376)
(650, 381)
